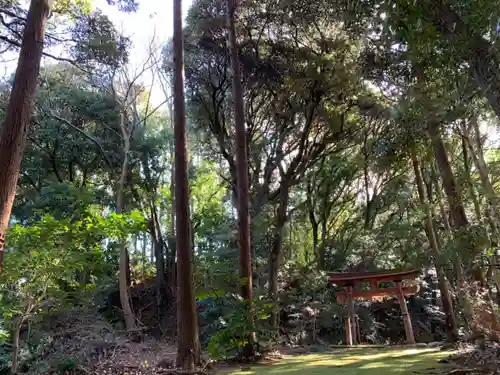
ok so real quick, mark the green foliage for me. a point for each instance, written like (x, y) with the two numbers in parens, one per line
(235, 330)
(101, 44)
(52, 263)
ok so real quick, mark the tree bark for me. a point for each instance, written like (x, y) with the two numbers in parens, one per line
(241, 174)
(457, 210)
(15, 346)
(275, 255)
(124, 267)
(459, 221)
(451, 322)
(156, 235)
(439, 197)
(188, 342)
(144, 257)
(15, 128)
(482, 168)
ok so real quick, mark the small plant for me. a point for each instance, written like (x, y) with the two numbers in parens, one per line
(236, 331)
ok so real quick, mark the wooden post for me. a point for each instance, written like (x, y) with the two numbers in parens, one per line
(352, 315)
(348, 333)
(410, 339)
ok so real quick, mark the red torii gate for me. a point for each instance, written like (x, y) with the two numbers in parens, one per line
(352, 283)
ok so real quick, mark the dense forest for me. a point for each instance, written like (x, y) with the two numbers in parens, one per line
(199, 200)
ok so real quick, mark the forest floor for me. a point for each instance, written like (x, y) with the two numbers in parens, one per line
(316, 361)
(357, 361)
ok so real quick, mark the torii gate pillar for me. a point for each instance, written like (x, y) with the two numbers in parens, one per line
(410, 338)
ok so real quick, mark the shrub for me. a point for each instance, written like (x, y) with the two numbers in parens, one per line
(235, 329)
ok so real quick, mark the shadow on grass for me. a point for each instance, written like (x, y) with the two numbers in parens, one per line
(362, 361)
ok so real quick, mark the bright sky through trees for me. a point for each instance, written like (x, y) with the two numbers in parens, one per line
(153, 19)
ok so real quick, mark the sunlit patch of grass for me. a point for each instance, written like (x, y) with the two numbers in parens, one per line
(358, 361)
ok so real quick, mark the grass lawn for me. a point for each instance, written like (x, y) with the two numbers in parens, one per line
(357, 361)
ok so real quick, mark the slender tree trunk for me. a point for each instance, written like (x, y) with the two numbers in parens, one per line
(188, 342)
(15, 127)
(439, 197)
(124, 269)
(275, 254)
(482, 168)
(469, 182)
(322, 247)
(127, 267)
(144, 257)
(451, 322)
(15, 346)
(158, 250)
(171, 262)
(314, 227)
(241, 173)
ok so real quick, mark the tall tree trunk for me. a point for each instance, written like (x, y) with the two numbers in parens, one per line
(314, 228)
(124, 268)
(459, 221)
(276, 249)
(171, 263)
(439, 197)
(322, 247)
(15, 127)
(451, 322)
(457, 210)
(188, 341)
(144, 257)
(241, 173)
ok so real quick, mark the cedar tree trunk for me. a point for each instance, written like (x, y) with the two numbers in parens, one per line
(15, 127)
(188, 342)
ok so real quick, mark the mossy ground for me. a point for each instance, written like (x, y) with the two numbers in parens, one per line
(357, 361)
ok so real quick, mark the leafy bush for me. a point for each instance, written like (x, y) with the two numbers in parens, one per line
(235, 329)
(53, 263)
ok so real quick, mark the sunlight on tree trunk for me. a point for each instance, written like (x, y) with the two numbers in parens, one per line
(124, 272)
(15, 128)
(188, 342)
